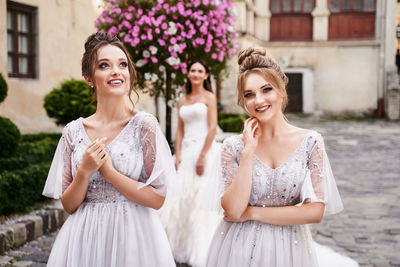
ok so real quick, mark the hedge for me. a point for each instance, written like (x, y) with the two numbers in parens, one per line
(9, 137)
(231, 122)
(30, 153)
(22, 176)
(22, 188)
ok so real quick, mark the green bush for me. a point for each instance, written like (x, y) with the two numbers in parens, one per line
(9, 137)
(231, 122)
(21, 188)
(28, 153)
(40, 136)
(3, 88)
(69, 102)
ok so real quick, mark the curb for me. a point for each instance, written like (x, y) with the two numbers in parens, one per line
(17, 232)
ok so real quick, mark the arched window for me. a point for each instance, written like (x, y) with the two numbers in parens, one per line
(291, 20)
(352, 19)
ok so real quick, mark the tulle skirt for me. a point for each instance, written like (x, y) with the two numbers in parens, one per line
(253, 243)
(191, 218)
(111, 235)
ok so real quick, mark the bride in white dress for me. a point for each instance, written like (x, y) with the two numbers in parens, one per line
(111, 171)
(277, 180)
(191, 219)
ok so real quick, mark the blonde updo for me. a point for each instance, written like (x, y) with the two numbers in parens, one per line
(256, 60)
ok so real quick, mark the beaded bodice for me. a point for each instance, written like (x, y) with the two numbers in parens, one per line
(273, 187)
(131, 152)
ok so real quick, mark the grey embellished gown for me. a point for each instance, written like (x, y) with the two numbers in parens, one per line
(107, 229)
(304, 177)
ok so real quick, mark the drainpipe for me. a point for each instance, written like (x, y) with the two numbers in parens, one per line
(381, 61)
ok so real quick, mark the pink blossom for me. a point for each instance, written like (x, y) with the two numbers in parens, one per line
(166, 6)
(109, 20)
(154, 59)
(128, 16)
(113, 30)
(213, 56)
(173, 40)
(157, 30)
(164, 26)
(143, 36)
(140, 11)
(161, 42)
(131, 8)
(126, 24)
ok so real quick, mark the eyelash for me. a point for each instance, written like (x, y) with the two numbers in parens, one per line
(265, 90)
(104, 65)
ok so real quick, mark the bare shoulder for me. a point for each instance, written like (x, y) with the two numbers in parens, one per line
(297, 133)
(210, 96)
(181, 100)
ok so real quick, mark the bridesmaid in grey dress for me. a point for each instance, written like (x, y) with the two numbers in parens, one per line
(277, 178)
(112, 170)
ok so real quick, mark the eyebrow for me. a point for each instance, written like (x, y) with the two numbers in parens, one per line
(263, 86)
(106, 59)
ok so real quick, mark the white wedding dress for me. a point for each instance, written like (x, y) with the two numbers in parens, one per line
(191, 219)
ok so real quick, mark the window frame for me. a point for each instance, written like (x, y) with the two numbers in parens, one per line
(351, 9)
(31, 34)
(358, 17)
(291, 18)
(281, 12)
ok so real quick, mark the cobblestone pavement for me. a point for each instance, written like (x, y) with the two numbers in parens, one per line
(365, 158)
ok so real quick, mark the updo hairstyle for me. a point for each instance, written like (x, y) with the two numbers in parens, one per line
(256, 60)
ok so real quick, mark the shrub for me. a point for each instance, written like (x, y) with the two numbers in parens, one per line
(69, 102)
(21, 188)
(3, 88)
(28, 153)
(9, 137)
(231, 122)
(40, 136)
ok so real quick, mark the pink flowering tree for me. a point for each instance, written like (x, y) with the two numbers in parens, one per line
(163, 35)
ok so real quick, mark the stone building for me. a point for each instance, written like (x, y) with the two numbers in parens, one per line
(338, 54)
(41, 44)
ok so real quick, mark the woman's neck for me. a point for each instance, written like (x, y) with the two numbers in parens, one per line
(112, 109)
(273, 127)
(197, 89)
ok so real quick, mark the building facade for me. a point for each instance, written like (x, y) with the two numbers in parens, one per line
(338, 54)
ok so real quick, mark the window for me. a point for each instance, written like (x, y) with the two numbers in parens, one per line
(21, 40)
(291, 20)
(352, 19)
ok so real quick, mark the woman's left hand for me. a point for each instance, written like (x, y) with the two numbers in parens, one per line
(245, 217)
(200, 165)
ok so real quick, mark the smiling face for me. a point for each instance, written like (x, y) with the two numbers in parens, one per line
(260, 99)
(111, 75)
(197, 74)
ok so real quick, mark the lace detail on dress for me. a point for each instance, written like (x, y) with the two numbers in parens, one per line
(280, 186)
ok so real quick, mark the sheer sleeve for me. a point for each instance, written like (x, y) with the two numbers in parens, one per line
(158, 165)
(60, 173)
(319, 184)
(229, 164)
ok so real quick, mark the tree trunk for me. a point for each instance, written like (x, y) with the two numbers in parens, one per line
(168, 111)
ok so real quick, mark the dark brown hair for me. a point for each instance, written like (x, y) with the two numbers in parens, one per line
(206, 83)
(256, 60)
(89, 58)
